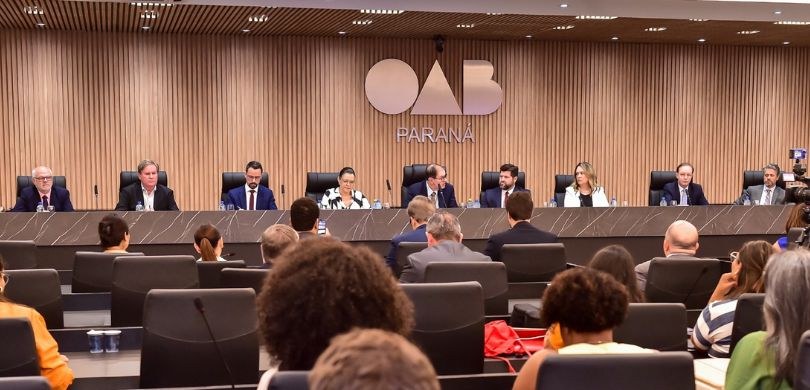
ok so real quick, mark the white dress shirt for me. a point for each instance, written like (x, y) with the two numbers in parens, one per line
(148, 199)
(762, 197)
(247, 196)
(503, 195)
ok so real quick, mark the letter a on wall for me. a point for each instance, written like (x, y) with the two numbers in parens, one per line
(436, 97)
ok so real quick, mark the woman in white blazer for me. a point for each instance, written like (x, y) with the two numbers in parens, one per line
(585, 191)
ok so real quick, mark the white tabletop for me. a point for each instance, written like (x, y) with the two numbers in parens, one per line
(120, 364)
(710, 373)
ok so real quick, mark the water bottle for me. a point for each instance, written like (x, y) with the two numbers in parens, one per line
(40, 208)
(746, 200)
(476, 204)
(663, 202)
(139, 206)
(221, 205)
(552, 203)
(377, 204)
(613, 202)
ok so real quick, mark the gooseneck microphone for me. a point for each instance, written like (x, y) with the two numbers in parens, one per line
(199, 305)
(95, 194)
(282, 196)
(390, 192)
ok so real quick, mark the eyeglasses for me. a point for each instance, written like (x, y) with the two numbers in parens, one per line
(44, 178)
(733, 256)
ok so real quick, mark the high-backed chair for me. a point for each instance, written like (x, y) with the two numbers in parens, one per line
(659, 326)
(25, 181)
(793, 235)
(318, 183)
(660, 371)
(477, 381)
(177, 348)
(657, 181)
(687, 281)
(290, 380)
(412, 174)
(19, 254)
(18, 357)
(25, 383)
(130, 177)
(801, 375)
(243, 278)
(404, 250)
(748, 318)
(756, 178)
(208, 272)
(491, 276)
(231, 180)
(449, 325)
(134, 276)
(92, 271)
(490, 179)
(533, 262)
(39, 289)
(560, 182)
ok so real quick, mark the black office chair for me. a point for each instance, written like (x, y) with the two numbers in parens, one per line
(318, 183)
(19, 254)
(25, 383)
(756, 178)
(560, 183)
(477, 381)
(134, 276)
(209, 271)
(748, 318)
(659, 326)
(412, 174)
(657, 181)
(18, 357)
(533, 262)
(130, 177)
(26, 181)
(801, 375)
(660, 371)
(404, 250)
(243, 278)
(177, 348)
(231, 180)
(491, 276)
(449, 325)
(92, 271)
(490, 179)
(794, 234)
(290, 380)
(687, 281)
(39, 289)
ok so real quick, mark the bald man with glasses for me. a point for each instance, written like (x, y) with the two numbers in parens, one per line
(43, 191)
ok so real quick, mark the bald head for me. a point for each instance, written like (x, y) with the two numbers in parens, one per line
(681, 237)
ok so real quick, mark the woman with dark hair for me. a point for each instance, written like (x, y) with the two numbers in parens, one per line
(767, 359)
(796, 219)
(52, 365)
(585, 191)
(344, 196)
(712, 330)
(323, 289)
(113, 232)
(587, 304)
(208, 243)
(616, 261)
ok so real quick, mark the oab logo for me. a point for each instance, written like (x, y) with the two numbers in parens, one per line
(392, 87)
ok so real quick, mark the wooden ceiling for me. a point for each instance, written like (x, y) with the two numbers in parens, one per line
(235, 20)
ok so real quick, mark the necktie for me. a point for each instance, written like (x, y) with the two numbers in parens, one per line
(505, 198)
(768, 196)
(45, 202)
(684, 198)
(252, 206)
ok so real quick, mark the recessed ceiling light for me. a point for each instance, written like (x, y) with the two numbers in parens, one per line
(748, 32)
(529, 36)
(258, 18)
(33, 10)
(701, 40)
(614, 38)
(596, 17)
(655, 29)
(342, 32)
(699, 20)
(792, 23)
(149, 14)
(563, 5)
(363, 22)
(494, 13)
(786, 43)
(465, 25)
(777, 12)
(382, 11)
(150, 4)
(568, 27)
(40, 24)
(245, 30)
(146, 28)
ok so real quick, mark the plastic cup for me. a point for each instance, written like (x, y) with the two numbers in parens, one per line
(51, 208)
(386, 205)
(673, 203)
(112, 339)
(95, 339)
(229, 207)
(624, 203)
(755, 202)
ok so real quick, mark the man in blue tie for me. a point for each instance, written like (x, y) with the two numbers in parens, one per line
(43, 191)
(252, 196)
(683, 191)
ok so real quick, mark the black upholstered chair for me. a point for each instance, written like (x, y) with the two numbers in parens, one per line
(657, 181)
(687, 281)
(129, 177)
(39, 289)
(491, 276)
(134, 276)
(18, 357)
(449, 325)
(533, 262)
(659, 326)
(318, 183)
(209, 271)
(25, 383)
(477, 381)
(490, 179)
(243, 278)
(290, 380)
(231, 180)
(404, 250)
(801, 375)
(19, 254)
(748, 318)
(92, 271)
(177, 348)
(794, 234)
(25, 181)
(560, 182)
(756, 178)
(412, 174)
(660, 371)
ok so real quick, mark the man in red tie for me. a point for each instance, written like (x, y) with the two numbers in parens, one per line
(507, 185)
(43, 191)
(252, 195)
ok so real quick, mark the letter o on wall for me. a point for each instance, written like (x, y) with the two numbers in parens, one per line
(391, 86)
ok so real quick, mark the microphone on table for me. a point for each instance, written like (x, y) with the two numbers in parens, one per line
(229, 254)
(282, 196)
(390, 193)
(95, 194)
(199, 305)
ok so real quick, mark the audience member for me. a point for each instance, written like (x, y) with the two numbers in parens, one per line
(114, 234)
(444, 244)
(43, 191)
(208, 243)
(436, 188)
(419, 210)
(507, 185)
(52, 365)
(518, 212)
(344, 196)
(147, 192)
(796, 219)
(767, 193)
(372, 359)
(683, 191)
(680, 242)
(275, 240)
(585, 191)
(304, 217)
(323, 289)
(252, 195)
(767, 359)
(587, 304)
(712, 331)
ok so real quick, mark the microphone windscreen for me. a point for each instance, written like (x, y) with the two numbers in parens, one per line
(95, 189)
(282, 188)
(388, 184)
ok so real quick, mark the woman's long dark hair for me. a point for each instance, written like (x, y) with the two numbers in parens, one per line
(618, 262)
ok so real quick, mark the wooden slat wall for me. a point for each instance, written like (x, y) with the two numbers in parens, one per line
(91, 104)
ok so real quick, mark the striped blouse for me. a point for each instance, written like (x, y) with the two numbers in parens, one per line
(713, 328)
(332, 200)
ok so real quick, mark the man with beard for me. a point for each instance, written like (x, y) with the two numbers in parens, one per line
(151, 195)
(252, 196)
(768, 192)
(507, 185)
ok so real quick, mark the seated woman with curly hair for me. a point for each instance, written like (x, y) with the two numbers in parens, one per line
(323, 289)
(587, 304)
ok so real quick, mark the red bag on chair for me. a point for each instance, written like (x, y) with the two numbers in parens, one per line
(501, 339)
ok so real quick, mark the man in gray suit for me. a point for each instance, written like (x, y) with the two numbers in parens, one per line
(766, 193)
(444, 244)
(680, 242)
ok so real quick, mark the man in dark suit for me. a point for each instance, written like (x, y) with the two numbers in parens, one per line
(151, 195)
(768, 192)
(444, 244)
(682, 190)
(43, 191)
(680, 242)
(252, 196)
(436, 188)
(507, 185)
(518, 211)
(419, 210)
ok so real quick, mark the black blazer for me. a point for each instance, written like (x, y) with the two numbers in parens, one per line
(132, 194)
(29, 198)
(522, 233)
(694, 194)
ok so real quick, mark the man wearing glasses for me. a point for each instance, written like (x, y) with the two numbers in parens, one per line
(52, 198)
(436, 188)
(252, 196)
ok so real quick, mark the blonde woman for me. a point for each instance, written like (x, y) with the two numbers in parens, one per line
(585, 191)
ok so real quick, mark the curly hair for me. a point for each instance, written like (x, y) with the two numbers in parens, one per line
(585, 300)
(323, 289)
